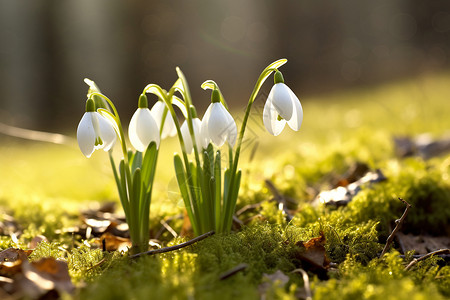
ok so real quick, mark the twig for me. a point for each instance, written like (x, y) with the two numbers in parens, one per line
(248, 207)
(176, 247)
(168, 228)
(305, 282)
(279, 198)
(35, 135)
(416, 260)
(398, 223)
(233, 271)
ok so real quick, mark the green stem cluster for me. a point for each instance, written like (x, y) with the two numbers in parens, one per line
(210, 197)
(134, 179)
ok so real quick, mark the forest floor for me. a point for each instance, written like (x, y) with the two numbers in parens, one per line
(315, 211)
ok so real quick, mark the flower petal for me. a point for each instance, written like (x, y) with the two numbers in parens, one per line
(280, 96)
(297, 115)
(86, 135)
(107, 132)
(143, 130)
(204, 133)
(186, 137)
(270, 119)
(169, 128)
(221, 125)
(196, 124)
(232, 130)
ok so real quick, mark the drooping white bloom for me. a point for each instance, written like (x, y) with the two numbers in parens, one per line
(143, 129)
(196, 125)
(95, 132)
(282, 106)
(218, 126)
(169, 128)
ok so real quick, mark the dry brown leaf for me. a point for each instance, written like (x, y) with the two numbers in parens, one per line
(314, 253)
(422, 244)
(342, 195)
(36, 240)
(114, 243)
(44, 277)
(13, 254)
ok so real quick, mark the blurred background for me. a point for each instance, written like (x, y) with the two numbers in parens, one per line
(48, 47)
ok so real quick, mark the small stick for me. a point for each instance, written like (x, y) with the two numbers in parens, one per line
(176, 247)
(398, 223)
(280, 199)
(168, 228)
(416, 260)
(305, 282)
(233, 271)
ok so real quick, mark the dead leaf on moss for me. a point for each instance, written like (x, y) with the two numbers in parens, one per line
(36, 240)
(46, 276)
(8, 225)
(422, 244)
(342, 195)
(313, 253)
(13, 254)
(423, 145)
(114, 243)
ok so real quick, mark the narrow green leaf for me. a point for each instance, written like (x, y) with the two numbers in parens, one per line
(267, 71)
(217, 190)
(121, 189)
(149, 164)
(182, 184)
(136, 161)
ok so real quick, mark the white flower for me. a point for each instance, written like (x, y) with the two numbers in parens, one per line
(196, 124)
(218, 126)
(169, 125)
(95, 132)
(282, 106)
(143, 129)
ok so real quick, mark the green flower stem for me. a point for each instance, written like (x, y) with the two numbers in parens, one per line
(136, 203)
(166, 97)
(234, 186)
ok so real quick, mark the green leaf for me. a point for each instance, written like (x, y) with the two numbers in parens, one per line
(149, 164)
(266, 72)
(155, 90)
(136, 161)
(217, 190)
(180, 104)
(182, 184)
(121, 189)
(123, 183)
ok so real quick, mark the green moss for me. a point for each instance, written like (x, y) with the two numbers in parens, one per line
(380, 279)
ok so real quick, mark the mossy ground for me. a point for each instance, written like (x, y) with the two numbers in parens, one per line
(45, 186)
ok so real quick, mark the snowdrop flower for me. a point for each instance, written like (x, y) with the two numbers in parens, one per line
(218, 125)
(282, 106)
(169, 128)
(143, 128)
(187, 138)
(94, 131)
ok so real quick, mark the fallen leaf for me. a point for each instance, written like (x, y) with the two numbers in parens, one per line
(341, 195)
(114, 243)
(13, 254)
(423, 145)
(36, 240)
(8, 225)
(46, 276)
(422, 244)
(313, 253)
